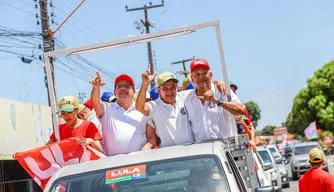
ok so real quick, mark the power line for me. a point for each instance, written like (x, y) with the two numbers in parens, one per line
(127, 50)
(17, 8)
(87, 62)
(31, 66)
(33, 84)
(79, 77)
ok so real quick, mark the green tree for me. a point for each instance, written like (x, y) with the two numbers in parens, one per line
(268, 130)
(254, 111)
(314, 103)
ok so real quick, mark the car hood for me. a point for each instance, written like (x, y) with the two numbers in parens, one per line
(276, 155)
(300, 157)
(281, 167)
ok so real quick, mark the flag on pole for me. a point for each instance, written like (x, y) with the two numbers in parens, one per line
(42, 162)
(311, 131)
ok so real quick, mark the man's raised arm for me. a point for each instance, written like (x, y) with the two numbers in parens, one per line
(95, 95)
(147, 78)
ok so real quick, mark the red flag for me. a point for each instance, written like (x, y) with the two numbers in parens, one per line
(41, 163)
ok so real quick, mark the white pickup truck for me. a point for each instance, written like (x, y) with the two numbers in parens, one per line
(211, 166)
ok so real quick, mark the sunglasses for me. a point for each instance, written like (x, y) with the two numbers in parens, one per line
(120, 86)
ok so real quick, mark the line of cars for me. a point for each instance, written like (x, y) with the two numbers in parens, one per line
(274, 159)
(273, 167)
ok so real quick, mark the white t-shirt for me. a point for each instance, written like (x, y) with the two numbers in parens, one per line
(172, 124)
(93, 118)
(123, 130)
(210, 121)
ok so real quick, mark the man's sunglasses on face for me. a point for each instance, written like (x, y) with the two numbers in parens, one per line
(126, 86)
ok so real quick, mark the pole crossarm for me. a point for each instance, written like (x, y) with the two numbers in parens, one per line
(145, 7)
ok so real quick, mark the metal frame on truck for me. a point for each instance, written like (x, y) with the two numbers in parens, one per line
(128, 41)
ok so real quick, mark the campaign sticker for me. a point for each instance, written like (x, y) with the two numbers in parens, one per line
(215, 176)
(125, 174)
(183, 111)
(229, 98)
(211, 105)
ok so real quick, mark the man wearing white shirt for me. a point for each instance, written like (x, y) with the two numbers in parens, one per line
(170, 119)
(89, 115)
(208, 109)
(123, 127)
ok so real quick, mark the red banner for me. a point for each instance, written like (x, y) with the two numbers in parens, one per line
(41, 163)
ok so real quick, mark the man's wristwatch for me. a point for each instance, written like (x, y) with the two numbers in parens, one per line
(220, 102)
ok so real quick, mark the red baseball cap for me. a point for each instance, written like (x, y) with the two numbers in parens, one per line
(89, 104)
(198, 62)
(125, 77)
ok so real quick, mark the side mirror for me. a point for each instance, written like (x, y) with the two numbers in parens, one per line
(267, 166)
(278, 160)
(265, 189)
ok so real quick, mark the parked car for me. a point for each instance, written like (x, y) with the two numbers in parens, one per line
(284, 175)
(299, 160)
(275, 153)
(270, 167)
(279, 162)
(263, 177)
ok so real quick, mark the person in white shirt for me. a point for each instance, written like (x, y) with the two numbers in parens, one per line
(86, 114)
(207, 108)
(170, 119)
(123, 127)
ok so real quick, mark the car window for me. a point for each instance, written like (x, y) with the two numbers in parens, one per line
(272, 150)
(265, 156)
(183, 174)
(304, 149)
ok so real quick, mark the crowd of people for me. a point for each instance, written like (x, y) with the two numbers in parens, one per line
(130, 120)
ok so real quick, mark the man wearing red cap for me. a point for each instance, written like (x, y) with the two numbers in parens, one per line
(123, 127)
(207, 108)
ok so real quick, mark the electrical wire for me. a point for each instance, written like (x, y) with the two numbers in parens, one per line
(126, 50)
(87, 62)
(36, 77)
(81, 78)
(26, 81)
(25, 11)
(75, 82)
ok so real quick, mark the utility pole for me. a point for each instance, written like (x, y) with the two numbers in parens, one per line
(185, 72)
(48, 44)
(82, 97)
(147, 23)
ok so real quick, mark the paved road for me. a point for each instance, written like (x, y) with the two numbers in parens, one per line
(294, 184)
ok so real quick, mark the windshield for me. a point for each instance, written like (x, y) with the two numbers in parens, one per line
(265, 156)
(195, 174)
(304, 149)
(272, 150)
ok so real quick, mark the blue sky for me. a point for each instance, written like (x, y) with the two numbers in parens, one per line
(271, 47)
